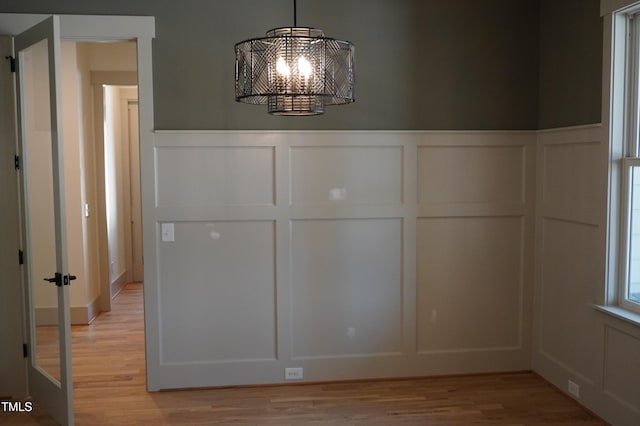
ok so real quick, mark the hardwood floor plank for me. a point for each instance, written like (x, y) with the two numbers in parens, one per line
(109, 386)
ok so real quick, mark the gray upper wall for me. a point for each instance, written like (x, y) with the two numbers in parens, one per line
(570, 74)
(421, 64)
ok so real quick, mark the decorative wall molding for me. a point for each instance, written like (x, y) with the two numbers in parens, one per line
(572, 339)
(332, 278)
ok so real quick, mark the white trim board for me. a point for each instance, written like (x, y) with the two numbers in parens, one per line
(84, 27)
(80, 315)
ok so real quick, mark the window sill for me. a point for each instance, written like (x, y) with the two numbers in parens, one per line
(620, 313)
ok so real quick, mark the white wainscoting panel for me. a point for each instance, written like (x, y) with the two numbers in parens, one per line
(622, 350)
(331, 251)
(217, 293)
(572, 340)
(471, 174)
(568, 228)
(214, 176)
(346, 175)
(472, 265)
(569, 179)
(569, 279)
(568, 174)
(346, 296)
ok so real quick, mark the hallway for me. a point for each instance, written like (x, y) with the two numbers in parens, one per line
(108, 358)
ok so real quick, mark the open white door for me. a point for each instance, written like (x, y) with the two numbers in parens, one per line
(45, 270)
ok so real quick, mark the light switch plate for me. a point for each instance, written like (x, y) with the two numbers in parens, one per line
(168, 232)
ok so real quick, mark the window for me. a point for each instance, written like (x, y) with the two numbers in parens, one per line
(630, 291)
(627, 200)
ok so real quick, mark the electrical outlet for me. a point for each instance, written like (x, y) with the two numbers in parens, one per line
(574, 389)
(293, 373)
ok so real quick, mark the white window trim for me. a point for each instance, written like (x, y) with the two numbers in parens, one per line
(619, 79)
(608, 7)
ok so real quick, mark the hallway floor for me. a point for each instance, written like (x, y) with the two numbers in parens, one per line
(109, 385)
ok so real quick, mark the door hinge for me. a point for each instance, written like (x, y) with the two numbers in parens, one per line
(16, 162)
(25, 350)
(12, 62)
(20, 257)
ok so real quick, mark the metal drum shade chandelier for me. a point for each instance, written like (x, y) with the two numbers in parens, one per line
(295, 70)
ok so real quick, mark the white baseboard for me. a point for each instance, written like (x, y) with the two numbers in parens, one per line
(80, 315)
(92, 310)
(118, 284)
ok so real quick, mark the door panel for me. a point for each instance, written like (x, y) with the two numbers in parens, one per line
(11, 362)
(39, 206)
(44, 234)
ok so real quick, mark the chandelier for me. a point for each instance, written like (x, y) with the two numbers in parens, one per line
(295, 70)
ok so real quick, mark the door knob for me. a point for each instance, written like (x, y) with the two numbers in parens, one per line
(60, 280)
(57, 279)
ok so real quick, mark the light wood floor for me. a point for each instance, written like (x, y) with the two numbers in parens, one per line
(109, 383)
(48, 349)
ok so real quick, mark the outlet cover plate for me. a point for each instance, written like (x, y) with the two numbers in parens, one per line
(296, 373)
(574, 389)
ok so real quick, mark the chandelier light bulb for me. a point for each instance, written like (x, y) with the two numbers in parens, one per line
(282, 68)
(304, 67)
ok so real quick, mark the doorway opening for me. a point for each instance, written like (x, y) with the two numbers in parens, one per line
(100, 111)
(82, 304)
(121, 170)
